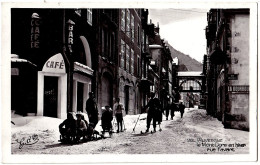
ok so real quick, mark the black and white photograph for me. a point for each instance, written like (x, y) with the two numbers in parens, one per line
(129, 82)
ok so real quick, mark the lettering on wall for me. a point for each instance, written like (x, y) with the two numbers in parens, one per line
(35, 31)
(70, 34)
(55, 64)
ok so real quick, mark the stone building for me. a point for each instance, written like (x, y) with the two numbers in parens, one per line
(227, 35)
(129, 59)
(58, 45)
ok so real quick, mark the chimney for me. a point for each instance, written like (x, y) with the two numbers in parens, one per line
(157, 29)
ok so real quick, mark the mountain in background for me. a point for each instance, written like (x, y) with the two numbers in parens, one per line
(186, 63)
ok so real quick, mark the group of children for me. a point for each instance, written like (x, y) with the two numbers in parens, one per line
(72, 130)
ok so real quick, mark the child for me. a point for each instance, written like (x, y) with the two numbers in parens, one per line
(106, 119)
(70, 127)
(81, 127)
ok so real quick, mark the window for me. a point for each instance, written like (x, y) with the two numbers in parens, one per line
(143, 76)
(133, 27)
(147, 42)
(127, 58)
(103, 43)
(191, 84)
(138, 65)
(123, 19)
(89, 16)
(143, 41)
(132, 61)
(138, 35)
(122, 59)
(128, 23)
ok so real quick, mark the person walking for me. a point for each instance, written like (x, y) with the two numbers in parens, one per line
(118, 109)
(167, 109)
(181, 108)
(91, 108)
(153, 112)
(175, 103)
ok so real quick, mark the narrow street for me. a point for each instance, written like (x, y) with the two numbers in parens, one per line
(196, 133)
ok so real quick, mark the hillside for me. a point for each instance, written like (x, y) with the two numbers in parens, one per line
(186, 63)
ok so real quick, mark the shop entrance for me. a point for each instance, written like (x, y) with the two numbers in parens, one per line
(50, 96)
(126, 99)
(80, 96)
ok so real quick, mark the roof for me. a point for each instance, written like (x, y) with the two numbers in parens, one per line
(191, 73)
(15, 58)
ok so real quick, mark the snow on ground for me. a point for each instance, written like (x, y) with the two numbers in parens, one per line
(178, 136)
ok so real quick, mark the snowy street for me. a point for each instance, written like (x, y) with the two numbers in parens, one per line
(195, 133)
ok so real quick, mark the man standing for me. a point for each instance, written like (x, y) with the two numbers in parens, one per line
(118, 112)
(91, 108)
(153, 112)
(181, 108)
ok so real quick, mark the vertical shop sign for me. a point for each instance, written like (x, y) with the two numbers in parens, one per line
(35, 31)
(70, 34)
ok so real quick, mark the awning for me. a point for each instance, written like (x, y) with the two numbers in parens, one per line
(83, 68)
(15, 58)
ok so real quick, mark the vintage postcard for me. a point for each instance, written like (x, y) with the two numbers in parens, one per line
(129, 82)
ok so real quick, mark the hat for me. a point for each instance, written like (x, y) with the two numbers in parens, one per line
(79, 113)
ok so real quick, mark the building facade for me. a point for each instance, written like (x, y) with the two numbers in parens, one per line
(60, 55)
(227, 73)
(59, 44)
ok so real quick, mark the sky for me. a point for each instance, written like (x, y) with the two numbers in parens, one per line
(184, 29)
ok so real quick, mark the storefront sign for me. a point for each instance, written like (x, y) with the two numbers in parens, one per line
(70, 33)
(55, 64)
(232, 76)
(35, 31)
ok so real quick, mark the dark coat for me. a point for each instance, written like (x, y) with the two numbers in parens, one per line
(181, 108)
(155, 109)
(91, 108)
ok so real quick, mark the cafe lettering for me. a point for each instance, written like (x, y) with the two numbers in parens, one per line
(35, 31)
(55, 64)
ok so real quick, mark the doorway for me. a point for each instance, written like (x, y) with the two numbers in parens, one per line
(126, 99)
(80, 90)
(50, 96)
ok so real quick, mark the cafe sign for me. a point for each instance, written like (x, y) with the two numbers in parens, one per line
(35, 31)
(55, 64)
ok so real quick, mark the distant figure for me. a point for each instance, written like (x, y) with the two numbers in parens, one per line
(167, 109)
(91, 108)
(181, 108)
(154, 113)
(175, 103)
(70, 127)
(106, 119)
(118, 112)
